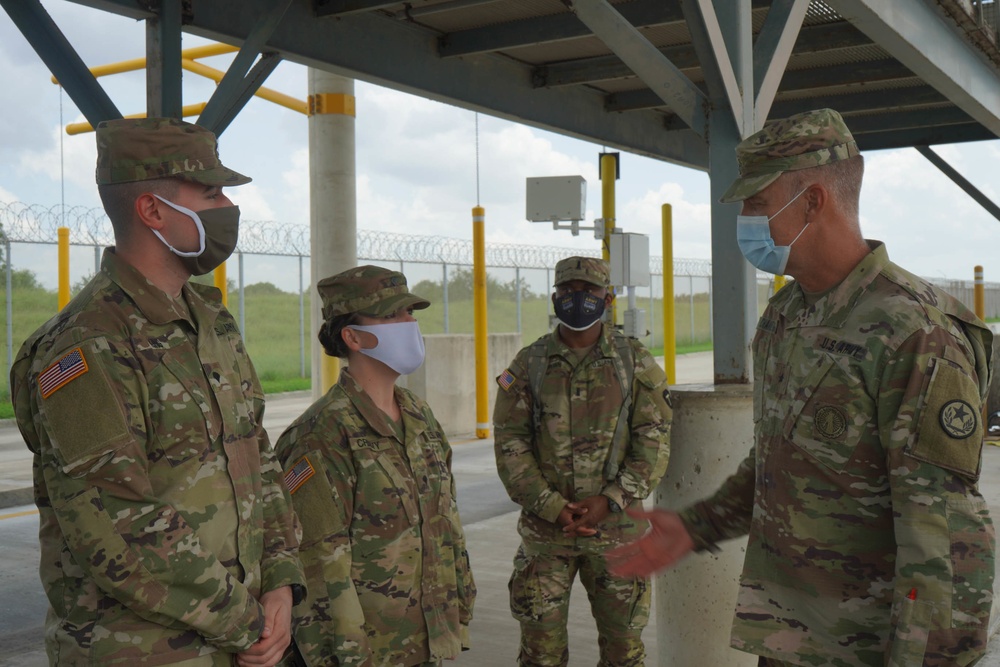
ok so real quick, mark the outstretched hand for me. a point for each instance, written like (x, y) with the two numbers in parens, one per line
(664, 544)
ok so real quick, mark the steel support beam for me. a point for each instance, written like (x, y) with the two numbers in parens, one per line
(344, 7)
(164, 97)
(771, 52)
(396, 54)
(916, 34)
(960, 181)
(62, 59)
(236, 88)
(663, 78)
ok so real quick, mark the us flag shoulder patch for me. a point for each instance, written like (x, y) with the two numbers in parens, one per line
(299, 474)
(71, 366)
(506, 379)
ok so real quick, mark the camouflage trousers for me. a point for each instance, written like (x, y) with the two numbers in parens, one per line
(539, 599)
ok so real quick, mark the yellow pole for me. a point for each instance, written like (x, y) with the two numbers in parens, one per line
(63, 236)
(329, 372)
(83, 127)
(219, 276)
(608, 173)
(479, 310)
(193, 53)
(979, 292)
(779, 282)
(669, 320)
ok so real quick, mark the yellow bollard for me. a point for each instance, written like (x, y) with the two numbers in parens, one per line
(479, 310)
(669, 318)
(979, 294)
(609, 171)
(63, 253)
(219, 277)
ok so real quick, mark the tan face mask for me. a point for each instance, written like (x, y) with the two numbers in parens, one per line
(218, 232)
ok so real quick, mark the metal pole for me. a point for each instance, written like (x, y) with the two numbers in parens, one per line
(444, 293)
(669, 322)
(302, 322)
(63, 252)
(980, 294)
(517, 284)
(97, 259)
(222, 284)
(609, 171)
(479, 311)
(691, 302)
(10, 309)
(243, 310)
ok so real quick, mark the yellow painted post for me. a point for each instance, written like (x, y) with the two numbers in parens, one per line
(329, 372)
(669, 318)
(979, 292)
(63, 253)
(609, 170)
(219, 276)
(479, 310)
(779, 282)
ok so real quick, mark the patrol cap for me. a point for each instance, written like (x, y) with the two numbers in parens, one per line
(808, 139)
(142, 149)
(367, 290)
(590, 269)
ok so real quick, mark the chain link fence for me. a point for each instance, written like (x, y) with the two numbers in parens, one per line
(269, 292)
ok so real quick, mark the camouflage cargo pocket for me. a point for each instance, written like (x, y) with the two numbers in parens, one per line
(525, 589)
(639, 604)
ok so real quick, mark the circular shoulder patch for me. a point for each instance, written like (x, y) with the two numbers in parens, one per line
(831, 421)
(958, 419)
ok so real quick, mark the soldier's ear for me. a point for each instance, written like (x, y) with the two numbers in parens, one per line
(148, 211)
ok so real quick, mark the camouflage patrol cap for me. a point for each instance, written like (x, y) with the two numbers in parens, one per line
(589, 269)
(142, 149)
(809, 139)
(367, 290)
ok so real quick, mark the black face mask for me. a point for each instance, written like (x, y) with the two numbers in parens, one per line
(579, 310)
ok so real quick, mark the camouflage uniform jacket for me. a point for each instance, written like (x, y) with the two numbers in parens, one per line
(163, 513)
(869, 542)
(565, 461)
(382, 545)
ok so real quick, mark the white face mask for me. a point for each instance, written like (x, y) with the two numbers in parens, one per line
(400, 345)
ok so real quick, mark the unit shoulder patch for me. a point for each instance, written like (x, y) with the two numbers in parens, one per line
(69, 367)
(958, 419)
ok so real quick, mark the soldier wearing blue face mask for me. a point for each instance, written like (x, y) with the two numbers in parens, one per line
(869, 541)
(582, 430)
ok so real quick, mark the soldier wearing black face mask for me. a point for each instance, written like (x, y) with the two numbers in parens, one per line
(582, 430)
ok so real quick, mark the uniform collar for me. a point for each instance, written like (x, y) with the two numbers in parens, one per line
(373, 416)
(833, 309)
(157, 306)
(556, 346)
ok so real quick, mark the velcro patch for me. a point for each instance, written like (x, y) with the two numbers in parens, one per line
(299, 474)
(506, 379)
(71, 366)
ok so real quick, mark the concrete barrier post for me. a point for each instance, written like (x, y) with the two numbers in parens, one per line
(712, 432)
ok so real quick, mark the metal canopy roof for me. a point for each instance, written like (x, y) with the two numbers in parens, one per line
(917, 73)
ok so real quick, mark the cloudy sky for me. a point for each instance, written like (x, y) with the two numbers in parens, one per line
(416, 165)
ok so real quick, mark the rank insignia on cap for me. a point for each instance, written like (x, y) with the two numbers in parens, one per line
(299, 474)
(958, 419)
(506, 379)
(71, 366)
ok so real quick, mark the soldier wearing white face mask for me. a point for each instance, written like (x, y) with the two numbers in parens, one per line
(369, 470)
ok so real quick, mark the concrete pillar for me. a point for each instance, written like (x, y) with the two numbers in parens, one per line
(332, 201)
(712, 432)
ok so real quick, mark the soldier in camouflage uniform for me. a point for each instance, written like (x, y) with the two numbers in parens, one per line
(369, 469)
(869, 542)
(582, 430)
(167, 535)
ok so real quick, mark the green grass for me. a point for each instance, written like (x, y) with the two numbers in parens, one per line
(278, 351)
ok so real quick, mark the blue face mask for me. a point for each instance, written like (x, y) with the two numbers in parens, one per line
(753, 234)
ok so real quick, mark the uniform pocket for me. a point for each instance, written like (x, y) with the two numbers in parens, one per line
(639, 604)
(830, 411)
(181, 413)
(912, 627)
(525, 588)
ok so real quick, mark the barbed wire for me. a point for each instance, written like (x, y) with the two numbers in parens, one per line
(23, 223)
